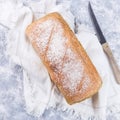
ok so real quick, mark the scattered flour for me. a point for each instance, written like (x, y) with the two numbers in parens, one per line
(52, 43)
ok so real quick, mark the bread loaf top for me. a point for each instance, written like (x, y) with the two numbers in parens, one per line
(68, 64)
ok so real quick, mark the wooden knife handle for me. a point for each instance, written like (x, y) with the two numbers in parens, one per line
(112, 61)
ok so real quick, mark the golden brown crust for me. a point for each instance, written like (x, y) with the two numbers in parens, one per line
(68, 64)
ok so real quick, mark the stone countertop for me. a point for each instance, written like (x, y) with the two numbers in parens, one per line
(12, 105)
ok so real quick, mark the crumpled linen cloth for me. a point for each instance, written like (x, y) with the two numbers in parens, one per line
(39, 92)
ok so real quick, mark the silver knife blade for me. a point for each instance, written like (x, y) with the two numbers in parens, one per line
(96, 25)
(105, 46)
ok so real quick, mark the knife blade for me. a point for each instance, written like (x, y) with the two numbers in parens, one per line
(105, 45)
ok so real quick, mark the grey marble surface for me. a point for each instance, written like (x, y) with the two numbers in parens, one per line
(12, 104)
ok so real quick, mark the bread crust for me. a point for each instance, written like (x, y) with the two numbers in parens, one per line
(68, 64)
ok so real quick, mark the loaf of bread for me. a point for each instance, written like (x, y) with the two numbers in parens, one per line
(68, 65)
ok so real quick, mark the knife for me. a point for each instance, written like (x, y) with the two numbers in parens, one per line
(105, 45)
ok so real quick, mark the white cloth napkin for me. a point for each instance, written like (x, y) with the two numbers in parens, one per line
(39, 92)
